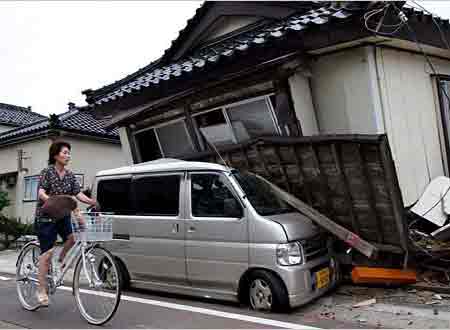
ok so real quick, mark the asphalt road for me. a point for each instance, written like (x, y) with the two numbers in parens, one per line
(143, 309)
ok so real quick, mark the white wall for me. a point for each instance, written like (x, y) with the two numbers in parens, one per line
(88, 157)
(385, 91)
(343, 94)
(36, 154)
(303, 105)
(412, 118)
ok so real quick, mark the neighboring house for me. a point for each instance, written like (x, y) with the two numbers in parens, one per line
(245, 69)
(24, 153)
(13, 116)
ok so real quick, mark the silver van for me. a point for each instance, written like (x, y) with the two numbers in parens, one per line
(206, 230)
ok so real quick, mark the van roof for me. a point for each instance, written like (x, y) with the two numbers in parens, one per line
(162, 165)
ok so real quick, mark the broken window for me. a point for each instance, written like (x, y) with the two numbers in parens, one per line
(236, 123)
(174, 139)
(252, 119)
(148, 146)
(169, 140)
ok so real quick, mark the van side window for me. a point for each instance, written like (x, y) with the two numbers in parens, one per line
(158, 195)
(211, 197)
(114, 195)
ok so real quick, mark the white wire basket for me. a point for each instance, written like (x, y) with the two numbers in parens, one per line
(95, 227)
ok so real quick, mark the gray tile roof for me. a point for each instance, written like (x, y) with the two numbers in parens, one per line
(18, 116)
(76, 120)
(210, 55)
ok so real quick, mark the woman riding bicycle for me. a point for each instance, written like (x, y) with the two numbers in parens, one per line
(55, 180)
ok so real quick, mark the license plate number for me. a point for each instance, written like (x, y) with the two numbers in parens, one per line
(322, 278)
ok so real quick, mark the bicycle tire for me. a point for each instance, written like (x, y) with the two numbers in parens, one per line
(81, 293)
(28, 301)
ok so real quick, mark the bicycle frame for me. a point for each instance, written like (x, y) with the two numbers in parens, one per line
(77, 250)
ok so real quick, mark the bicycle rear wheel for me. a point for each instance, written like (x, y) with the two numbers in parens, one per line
(27, 271)
(97, 289)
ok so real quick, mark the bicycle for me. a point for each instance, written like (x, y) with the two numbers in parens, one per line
(101, 272)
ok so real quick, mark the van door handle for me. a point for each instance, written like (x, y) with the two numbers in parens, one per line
(191, 229)
(175, 228)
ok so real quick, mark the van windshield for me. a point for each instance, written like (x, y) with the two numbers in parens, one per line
(261, 195)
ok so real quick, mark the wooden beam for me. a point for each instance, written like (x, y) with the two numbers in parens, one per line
(372, 201)
(345, 185)
(394, 191)
(367, 249)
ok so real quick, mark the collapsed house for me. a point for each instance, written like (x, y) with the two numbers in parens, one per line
(343, 104)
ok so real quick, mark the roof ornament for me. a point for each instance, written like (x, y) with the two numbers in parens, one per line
(54, 121)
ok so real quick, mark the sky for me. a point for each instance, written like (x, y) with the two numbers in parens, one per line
(50, 51)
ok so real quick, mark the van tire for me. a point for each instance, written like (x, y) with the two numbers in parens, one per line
(272, 290)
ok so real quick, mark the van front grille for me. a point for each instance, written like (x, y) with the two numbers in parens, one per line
(315, 247)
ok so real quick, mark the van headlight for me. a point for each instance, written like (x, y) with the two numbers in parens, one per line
(289, 254)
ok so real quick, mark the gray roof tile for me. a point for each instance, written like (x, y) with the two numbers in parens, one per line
(211, 55)
(17, 116)
(76, 120)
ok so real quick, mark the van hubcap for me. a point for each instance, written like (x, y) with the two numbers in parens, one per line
(260, 295)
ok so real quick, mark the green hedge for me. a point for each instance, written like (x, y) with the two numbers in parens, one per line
(11, 230)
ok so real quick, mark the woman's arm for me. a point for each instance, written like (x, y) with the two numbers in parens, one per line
(83, 198)
(42, 195)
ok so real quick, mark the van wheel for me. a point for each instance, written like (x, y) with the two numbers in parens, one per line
(267, 292)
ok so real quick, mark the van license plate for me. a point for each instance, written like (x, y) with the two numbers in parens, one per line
(323, 278)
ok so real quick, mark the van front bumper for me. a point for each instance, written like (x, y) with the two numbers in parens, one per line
(301, 283)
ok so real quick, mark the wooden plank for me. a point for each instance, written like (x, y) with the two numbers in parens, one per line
(348, 197)
(301, 172)
(372, 201)
(282, 168)
(394, 191)
(367, 249)
(262, 159)
(323, 180)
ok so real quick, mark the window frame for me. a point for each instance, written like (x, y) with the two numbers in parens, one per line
(227, 183)
(168, 123)
(82, 179)
(139, 176)
(25, 179)
(229, 107)
(444, 125)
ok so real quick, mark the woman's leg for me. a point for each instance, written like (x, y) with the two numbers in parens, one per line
(70, 241)
(44, 263)
(65, 231)
(47, 233)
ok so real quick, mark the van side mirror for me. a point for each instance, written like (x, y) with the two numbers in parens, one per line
(232, 208)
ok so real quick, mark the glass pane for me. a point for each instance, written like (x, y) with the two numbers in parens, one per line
(158, 195)
(148, 145)
(261, 195)
(212, 198)
(34, 188)
(214, 128)
(80, 180)
(251, 120)
(115, 196)
(174, 139)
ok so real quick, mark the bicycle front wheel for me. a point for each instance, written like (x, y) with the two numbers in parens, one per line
(96, 286)
(27, 276)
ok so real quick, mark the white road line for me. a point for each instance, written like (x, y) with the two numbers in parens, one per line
(212, 312)
(2, 278)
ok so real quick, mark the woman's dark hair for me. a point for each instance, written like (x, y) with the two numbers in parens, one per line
(55, 149)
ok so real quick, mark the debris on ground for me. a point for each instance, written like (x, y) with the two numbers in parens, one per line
(365, 303)
(373, 275)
